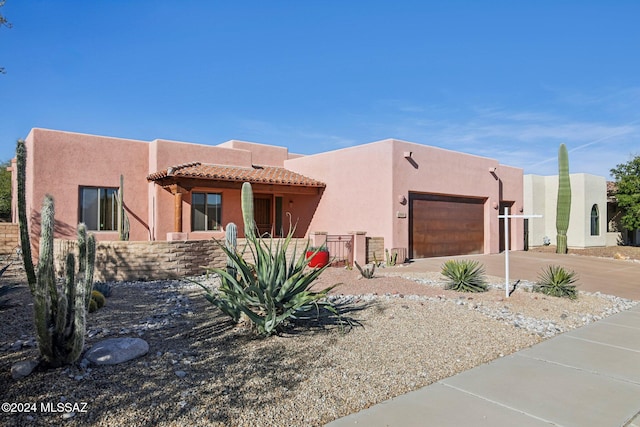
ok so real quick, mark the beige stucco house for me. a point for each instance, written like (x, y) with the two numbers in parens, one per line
(422, 200)
(588, 219)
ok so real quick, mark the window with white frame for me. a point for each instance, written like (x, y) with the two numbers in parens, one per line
(206, 209)
(98, 208)
(595, 221)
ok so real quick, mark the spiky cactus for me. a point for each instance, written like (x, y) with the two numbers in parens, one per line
(123, 219)
(231, 243)
(21, 163)
(563, 209)
(246, 203)
(59, 312)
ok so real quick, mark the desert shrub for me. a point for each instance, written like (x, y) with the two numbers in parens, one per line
(274, 290)
(464, 275)
(557, 282)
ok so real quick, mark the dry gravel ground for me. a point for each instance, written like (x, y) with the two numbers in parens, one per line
(201, 370)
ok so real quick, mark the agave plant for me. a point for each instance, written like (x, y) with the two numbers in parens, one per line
(557, 282)
(272, 291)
(464, 275)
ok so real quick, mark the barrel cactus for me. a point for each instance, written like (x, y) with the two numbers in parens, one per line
(563, 209)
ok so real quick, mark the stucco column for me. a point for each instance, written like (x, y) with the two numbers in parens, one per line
(359, 246)
(177, 214)
(177, 192)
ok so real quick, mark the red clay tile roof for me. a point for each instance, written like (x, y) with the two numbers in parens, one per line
(255, 174)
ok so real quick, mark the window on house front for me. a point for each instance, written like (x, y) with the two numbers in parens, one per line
(205, 211)
(595, 221)
(98, 208)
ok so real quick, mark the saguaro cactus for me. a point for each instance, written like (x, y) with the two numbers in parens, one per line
(246, 202)
(59, 312)
(21, 163)
(563, 209)
(123, 219)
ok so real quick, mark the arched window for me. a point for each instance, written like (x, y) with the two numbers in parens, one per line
(595, 221)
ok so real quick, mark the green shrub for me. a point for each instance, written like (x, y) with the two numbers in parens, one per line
(464, 275)
(557, 282)
(274, 290)
(98, 298)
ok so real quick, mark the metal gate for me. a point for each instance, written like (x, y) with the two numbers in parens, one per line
(340, 249)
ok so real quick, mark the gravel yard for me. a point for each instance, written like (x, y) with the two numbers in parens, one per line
(201, 370)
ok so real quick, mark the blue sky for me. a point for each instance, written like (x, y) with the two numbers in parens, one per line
(503, 79)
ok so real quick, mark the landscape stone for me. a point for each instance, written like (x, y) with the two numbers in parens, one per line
(22, 369)
(116, 350)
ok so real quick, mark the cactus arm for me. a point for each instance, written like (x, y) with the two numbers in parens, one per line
(91, 263)
(46, 275)
(231, 241)
(247, 211)
(25, 241)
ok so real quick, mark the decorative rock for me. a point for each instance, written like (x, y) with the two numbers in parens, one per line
(181, 374)
(116, 350)
(22, 369)
(84, 363)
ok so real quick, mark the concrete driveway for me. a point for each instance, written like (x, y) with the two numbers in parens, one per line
(609, 276)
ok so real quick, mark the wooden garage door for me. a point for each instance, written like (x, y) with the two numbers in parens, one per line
(443, 225)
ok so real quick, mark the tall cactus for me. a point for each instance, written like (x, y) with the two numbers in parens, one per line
(246, 203)
(123, 218)
(25, 242)
(231, 242)
(563, 209)
(59, 313)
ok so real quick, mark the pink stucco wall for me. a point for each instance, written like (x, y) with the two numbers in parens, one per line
(260, 154)
(365, 184)
(58, 163)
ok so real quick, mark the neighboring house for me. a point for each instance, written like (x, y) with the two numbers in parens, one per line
(422, 200)
(617, 233)
(588, 218)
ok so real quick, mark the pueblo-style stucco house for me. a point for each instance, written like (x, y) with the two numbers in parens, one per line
(588, 218)
(422, 200)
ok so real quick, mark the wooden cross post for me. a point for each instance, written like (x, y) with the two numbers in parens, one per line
(506, 217)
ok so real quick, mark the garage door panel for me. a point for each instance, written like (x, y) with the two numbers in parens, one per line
(443, 226)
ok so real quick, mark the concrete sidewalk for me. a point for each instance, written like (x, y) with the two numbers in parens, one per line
(586, 377)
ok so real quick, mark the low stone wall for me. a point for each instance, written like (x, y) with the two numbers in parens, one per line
(118, 260)
(8, 238)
